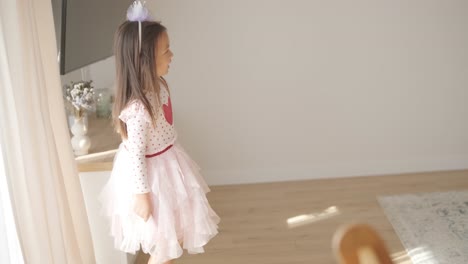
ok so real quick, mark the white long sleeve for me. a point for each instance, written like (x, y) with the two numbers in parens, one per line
(137, 130)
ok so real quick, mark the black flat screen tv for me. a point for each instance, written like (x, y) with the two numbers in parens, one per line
(85, 30)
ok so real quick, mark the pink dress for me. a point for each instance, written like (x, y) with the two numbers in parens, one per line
(151, 160)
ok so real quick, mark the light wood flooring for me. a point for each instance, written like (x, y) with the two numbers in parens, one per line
(254, 226)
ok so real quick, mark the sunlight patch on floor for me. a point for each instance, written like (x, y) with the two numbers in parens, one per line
(422, 255)
(401, 258)
(306, 219)
(419, 255)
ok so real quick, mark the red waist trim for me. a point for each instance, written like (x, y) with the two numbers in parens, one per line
(157, 153)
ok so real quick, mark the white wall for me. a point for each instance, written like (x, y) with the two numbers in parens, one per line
(102, 73)
(283, 90)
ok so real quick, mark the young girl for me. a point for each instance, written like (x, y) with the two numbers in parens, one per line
(155, 197)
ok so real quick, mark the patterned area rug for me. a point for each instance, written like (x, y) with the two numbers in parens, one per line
(433, 227)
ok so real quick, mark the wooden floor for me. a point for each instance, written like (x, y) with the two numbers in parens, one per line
(254, 227)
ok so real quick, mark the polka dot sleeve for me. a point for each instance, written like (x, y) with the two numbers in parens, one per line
(137, 129)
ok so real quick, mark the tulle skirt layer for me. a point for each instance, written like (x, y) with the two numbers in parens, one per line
(181, 212)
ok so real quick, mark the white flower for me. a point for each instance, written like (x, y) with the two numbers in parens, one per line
(80, 95)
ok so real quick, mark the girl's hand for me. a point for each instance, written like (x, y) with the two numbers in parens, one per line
(143, 205)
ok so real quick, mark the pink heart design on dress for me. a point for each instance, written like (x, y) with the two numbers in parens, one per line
(167, 108)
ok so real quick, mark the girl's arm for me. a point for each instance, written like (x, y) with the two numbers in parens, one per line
(137, 129)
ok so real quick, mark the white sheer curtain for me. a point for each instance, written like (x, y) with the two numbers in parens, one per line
(9, 244)
(40, 173)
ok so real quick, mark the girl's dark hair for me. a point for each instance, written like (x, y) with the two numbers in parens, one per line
(135, 69)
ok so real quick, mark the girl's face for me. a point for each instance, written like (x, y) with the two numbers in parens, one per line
(164, 55)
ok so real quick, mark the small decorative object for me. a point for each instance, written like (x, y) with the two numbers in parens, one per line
(80, 96)
(103, 103)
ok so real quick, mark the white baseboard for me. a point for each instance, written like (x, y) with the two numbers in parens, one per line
(338, 170)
